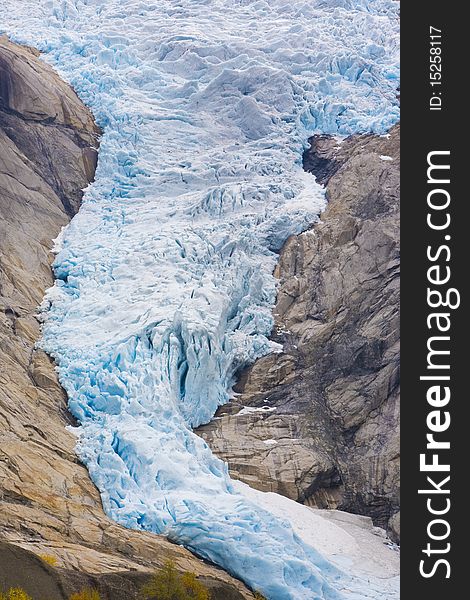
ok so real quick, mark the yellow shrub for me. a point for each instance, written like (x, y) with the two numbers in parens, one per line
(259, 596)
(15, 594)
(194, 589)
(49, 559)
(168, 584)
(164, 585)
(86, 594)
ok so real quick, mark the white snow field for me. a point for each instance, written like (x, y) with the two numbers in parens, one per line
(164, 278)
(351, 542)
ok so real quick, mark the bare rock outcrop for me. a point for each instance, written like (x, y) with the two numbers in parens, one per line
(318, 422)
(48, 505)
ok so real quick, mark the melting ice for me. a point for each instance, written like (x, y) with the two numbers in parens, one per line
(164, 279)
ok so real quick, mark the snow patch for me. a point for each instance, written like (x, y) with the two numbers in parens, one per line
(270, 442)
(349, 541)
(251, 410)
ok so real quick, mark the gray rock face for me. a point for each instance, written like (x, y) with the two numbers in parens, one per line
(319, 421)
(46, 123)
(48, 504)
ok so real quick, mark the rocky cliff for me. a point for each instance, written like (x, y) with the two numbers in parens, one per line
(48, 504)
(318, 422)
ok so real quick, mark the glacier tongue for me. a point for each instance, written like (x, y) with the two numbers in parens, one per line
(164, 278)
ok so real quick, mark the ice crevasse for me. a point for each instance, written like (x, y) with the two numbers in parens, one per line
(164, 284)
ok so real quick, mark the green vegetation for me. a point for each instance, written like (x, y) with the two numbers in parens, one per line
(168, 584)
(15, 594)
(49, 559)
(86, 594)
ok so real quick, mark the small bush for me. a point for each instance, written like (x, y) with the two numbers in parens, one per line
(86, 594)
(194, 589)
(168, 584)
(15, 594)
(259, 596)
(48, 559)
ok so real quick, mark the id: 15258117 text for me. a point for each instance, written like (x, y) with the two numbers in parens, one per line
(435, 68)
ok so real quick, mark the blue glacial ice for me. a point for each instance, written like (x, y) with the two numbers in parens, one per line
(164, 283)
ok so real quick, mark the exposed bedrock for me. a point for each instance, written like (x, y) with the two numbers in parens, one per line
(319, 421)
(48, 504)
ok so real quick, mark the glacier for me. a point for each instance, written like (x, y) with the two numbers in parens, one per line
(164, 279)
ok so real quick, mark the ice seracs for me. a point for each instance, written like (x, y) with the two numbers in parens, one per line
(164, 278)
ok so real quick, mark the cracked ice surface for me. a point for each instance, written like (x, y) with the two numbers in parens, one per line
(164, 278)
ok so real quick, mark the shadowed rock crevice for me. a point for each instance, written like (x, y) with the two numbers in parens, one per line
(318, 422)
(48, 504)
